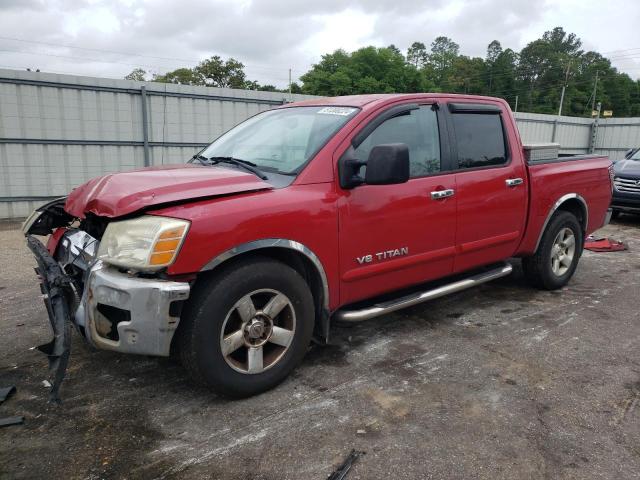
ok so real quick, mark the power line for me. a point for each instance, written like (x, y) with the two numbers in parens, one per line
(97, 60)
(115, 52)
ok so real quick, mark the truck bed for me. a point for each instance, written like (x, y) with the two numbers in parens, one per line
(552, 178)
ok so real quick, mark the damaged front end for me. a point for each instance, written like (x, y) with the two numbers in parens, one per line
(112, 308)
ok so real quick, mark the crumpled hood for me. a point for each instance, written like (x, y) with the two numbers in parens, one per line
(119, 194)
(627, 168)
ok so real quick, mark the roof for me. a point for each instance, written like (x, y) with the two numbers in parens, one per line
(362, 100)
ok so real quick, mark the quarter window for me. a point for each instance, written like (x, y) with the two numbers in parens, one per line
(480, 140)
(418, 129)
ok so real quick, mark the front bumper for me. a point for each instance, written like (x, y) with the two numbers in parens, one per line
(116, 311)
(625, 201)
(130, 314)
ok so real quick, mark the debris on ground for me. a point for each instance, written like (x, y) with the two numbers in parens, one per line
(8, 421)
(343, 469)
(604, 245)
(5, 392)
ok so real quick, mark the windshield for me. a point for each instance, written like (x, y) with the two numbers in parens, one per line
(636, 156)
(281, 140)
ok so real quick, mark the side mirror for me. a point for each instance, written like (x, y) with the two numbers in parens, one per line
(387, 164)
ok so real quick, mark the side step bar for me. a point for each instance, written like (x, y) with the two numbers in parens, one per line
(415, 298)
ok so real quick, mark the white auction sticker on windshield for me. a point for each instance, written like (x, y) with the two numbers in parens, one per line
(344, 111)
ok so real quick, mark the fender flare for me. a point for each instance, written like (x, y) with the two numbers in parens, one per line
(274, 243)
(557, 205)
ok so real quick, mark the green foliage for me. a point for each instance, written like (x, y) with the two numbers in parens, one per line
(367, 70)
(535, 75)
(182, 76)
(137, 74)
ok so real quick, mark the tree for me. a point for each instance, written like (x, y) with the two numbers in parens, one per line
(494, 49)
(217, 72)
(367, 70)
(137, 74)
(444, 51)
(394, 49)
(181, 76)
(417, 54)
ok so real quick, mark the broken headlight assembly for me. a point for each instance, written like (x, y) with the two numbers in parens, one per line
(147, 243)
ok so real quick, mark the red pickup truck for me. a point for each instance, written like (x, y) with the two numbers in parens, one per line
(331, 209)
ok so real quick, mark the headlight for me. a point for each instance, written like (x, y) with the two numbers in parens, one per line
(145, 243)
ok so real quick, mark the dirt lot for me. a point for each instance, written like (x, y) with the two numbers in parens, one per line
(498, 382)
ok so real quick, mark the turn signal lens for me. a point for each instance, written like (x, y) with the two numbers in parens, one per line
(163, 258)
(176, 232)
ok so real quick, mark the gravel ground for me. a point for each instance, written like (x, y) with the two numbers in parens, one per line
(498, 382)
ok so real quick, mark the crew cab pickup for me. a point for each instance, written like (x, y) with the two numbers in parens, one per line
(334, 209)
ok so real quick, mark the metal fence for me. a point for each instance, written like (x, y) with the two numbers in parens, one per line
(610, 136)
(58, 131)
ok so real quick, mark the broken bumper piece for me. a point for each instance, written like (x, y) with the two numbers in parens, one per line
(55, 287)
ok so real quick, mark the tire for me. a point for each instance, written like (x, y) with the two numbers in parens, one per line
(551, 267)
(262, 311)
(615, 214)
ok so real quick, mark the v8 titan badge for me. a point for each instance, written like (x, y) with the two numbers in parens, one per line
(398, 252)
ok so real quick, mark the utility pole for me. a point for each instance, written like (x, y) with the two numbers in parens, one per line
(595, 87)
(594, 129)
(516, 109)
(289, 84)
(566, 80)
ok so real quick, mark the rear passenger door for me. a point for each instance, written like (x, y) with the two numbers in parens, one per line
(491, 186)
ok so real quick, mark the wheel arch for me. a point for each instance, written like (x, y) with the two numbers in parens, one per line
(294, 254)
(573, 203)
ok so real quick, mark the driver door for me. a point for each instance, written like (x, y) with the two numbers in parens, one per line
(393, 236)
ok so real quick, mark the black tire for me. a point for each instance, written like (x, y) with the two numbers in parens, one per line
(615, 214)
(538, 268)
(213, 301)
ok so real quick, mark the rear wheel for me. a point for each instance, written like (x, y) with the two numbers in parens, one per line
(556, 259)
(246, 328)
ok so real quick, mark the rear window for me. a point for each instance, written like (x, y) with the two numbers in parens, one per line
(480, 140)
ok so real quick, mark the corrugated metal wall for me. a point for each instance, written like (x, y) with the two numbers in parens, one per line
(614, 136)
(58, 131)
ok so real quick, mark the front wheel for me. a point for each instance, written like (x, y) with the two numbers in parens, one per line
(246, 328)
(556, 259)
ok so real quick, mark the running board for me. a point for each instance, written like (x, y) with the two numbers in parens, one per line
(416, 298)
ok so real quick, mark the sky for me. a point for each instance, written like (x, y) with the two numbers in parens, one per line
(108, 38)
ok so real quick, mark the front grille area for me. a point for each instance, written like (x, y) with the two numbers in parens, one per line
(628, 185)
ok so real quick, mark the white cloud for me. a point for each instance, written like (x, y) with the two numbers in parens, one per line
(272, 36)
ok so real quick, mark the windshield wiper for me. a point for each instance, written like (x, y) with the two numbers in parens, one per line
(247, 165)
(200, 158)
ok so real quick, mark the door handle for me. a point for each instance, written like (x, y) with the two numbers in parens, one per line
(440, 194)
(514, 182)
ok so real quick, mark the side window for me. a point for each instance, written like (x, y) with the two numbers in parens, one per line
(418, 129)
(480, 140)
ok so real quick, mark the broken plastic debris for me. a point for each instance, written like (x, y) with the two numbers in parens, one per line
(46, 383)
